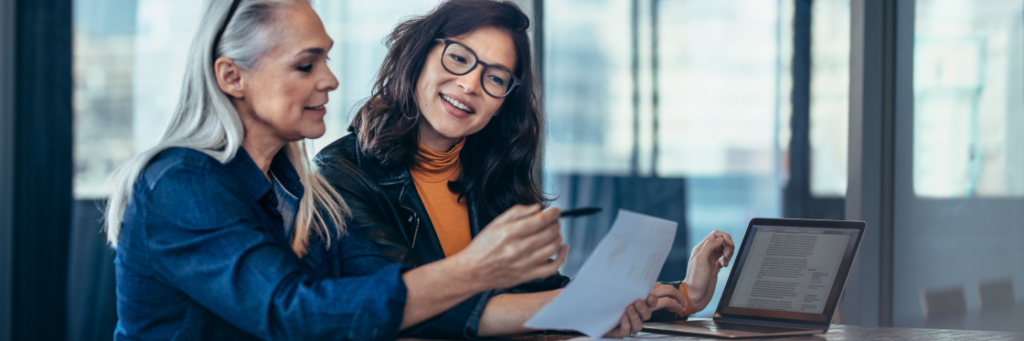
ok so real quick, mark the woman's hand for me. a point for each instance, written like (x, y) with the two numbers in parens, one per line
(669, 297)
(633, 320)
(708, 257)
(515, 248)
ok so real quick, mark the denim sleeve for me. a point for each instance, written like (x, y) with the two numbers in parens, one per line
(203, 239)
(361, 256)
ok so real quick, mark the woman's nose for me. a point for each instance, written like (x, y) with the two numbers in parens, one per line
(329, 81)
(470, 82)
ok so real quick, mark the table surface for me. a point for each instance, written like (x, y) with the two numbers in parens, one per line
(837, 332)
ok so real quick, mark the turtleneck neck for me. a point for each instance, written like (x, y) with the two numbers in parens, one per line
(434, 166)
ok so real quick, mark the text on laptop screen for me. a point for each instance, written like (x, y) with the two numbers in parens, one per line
(790, 269)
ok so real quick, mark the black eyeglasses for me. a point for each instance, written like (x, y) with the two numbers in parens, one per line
(497, 81)
(224, 26)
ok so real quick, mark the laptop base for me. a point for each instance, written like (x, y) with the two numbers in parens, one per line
(711, 328)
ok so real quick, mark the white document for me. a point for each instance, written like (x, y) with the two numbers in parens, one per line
(622, 269)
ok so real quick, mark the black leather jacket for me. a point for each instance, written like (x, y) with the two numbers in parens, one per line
(386, 208)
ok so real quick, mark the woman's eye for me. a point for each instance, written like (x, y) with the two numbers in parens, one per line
(305, 68)
(497, 80)
(458, 58)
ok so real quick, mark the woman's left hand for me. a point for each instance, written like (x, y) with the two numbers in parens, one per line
(633, 320)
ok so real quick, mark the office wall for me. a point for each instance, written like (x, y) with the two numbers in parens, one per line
(6, 163)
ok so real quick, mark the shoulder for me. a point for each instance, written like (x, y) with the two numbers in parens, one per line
(187, 176)
(186, 187)
(172, 161)
(343, 165)
(345, 149)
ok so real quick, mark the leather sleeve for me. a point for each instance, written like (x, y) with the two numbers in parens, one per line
(557, 281)
(363, 200)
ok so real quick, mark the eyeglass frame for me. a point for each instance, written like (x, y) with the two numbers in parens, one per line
(449, 42)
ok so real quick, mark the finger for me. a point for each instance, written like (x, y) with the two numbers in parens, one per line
(730, 247)
(543, 254)
(516, 213)
(712, 247)
(670, 304)
(721, 250)
(614, 333)
(635, 322)
(557, 211)
(552, 265)
(538, 222)
(547, 236)
(624, 326)
(669, 291)
(648, 307)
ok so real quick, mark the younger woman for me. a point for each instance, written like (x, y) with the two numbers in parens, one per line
(449, 140)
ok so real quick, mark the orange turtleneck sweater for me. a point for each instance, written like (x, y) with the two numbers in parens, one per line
(431, 174)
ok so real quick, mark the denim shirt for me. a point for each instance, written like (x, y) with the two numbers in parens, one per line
(203, 255)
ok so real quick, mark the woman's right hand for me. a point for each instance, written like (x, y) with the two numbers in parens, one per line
(514, 248)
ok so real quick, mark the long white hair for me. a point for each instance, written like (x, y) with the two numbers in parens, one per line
(206, 120)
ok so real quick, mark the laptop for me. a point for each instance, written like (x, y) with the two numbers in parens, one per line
(786, 280)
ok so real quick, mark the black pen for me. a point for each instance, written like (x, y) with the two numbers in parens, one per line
(579, 212)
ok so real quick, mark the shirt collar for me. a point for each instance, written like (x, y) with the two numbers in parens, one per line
(244, 168)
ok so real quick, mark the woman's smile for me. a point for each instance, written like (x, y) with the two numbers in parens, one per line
(316, 110)
(456, 106)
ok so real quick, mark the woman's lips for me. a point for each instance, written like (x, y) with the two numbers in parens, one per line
(452, 110)
(319, 110)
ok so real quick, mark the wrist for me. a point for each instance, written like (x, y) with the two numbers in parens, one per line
(693, 291)
(465, 271)
(694, 296)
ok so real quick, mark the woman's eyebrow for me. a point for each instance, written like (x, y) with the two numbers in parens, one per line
(501, 65)
(315, 50)
(312, 50)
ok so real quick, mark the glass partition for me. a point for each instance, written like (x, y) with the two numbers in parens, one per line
(958, 195)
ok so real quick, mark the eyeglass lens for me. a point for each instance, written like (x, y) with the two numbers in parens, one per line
(460, 60)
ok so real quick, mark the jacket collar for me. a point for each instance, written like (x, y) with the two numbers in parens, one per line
(375, 171)
(245, 170)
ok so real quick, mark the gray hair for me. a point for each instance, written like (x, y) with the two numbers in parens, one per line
(206, 120)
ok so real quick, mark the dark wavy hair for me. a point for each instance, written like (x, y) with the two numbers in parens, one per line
(499, 163)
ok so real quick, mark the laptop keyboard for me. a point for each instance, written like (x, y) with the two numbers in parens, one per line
(741, 327)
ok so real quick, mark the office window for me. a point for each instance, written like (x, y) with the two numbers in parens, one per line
(830, 96)
(104, 52)
(968, 108)
(588, 87)
(679, 109)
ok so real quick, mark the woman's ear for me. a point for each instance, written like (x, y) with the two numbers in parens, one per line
(229, 78)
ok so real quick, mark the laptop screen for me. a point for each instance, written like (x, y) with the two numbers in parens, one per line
(790, 272)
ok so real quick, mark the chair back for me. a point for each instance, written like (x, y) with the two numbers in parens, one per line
(944, 302)
(996, 294)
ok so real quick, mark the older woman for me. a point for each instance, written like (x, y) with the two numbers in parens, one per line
(449, 140)
(224, 232)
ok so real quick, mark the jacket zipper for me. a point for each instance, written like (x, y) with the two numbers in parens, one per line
(415, 232)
